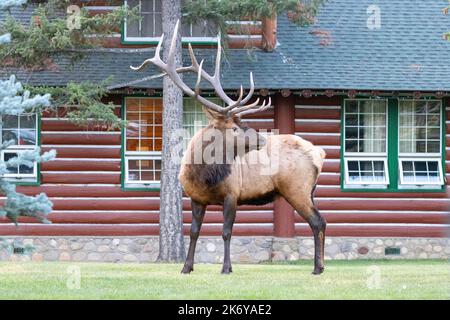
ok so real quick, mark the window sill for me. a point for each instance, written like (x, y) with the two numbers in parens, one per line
(399, 190)
(18, 182)
(142, 187)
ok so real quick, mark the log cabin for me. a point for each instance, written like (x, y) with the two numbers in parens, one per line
(368, 83)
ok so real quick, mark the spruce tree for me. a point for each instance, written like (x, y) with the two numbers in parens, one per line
(14, 100)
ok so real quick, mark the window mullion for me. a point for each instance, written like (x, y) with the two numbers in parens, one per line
(393, 143)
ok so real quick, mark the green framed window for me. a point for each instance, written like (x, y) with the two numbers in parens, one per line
(23, 131)
(142, 139)
(420, 147)
(148, 29)
(392, 145)
(142, 142)
(365, 143)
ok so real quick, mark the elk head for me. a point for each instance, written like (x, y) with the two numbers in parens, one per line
(225, 119)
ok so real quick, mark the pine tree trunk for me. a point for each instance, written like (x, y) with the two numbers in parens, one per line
(171, 242)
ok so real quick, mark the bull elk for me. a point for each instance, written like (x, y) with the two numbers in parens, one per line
(234, 181)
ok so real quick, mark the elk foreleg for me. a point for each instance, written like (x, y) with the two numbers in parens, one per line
(229, 215)
(198, 212)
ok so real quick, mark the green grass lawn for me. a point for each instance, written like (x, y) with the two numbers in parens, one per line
(426, 279)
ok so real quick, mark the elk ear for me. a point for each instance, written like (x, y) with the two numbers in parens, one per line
(212, 115)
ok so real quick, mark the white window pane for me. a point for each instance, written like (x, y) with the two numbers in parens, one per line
(420, 172)
(434, 177)
(380, 176)
(147, 26)
(10, 122)
(408, 177)
(27, 137)
(133, 165)
(365, 126)
(366, 172)
(8, 134)
(158, 24)
(158, 5)
(420, 126)
(199, 29)
(133, 29)
(132, 3)
(351, 145)
(365, 106)
(7, 156)
(147, 6)
(28, 121)
(420, 107)
(379, 120)
(133, 175)
(23, 169)
(408, 166)
(434, 107)
(144, 170)
(133, 26)
(379, 107)
(351, 106)
(354, 176)
(186, 30)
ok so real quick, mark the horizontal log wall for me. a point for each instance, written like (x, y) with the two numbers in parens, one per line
(318, 119)
(84, 183)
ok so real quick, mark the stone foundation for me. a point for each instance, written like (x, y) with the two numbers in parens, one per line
(210, 249)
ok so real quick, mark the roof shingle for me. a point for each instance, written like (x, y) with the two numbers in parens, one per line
(338, 51)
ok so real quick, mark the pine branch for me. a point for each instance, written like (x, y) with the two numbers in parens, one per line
(14, 100)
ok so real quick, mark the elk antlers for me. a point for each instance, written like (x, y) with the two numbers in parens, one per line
(234, 107)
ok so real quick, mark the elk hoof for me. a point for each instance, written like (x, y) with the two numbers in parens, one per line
(187, 269)
(318, 271)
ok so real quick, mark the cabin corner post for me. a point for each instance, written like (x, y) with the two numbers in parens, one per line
(283, 213)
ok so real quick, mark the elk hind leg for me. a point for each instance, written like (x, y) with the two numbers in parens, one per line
(304, 205)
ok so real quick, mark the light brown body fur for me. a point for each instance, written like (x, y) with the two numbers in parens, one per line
(299, 164)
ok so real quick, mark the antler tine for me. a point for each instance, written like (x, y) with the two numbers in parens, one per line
(199, 79)
(218, 57)
(252, 90)
(237, 102)
(244, 108)
(156, 59)
(215, 79)
(142, 66)
(192, 56)
(173, 43)
(263, 107)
